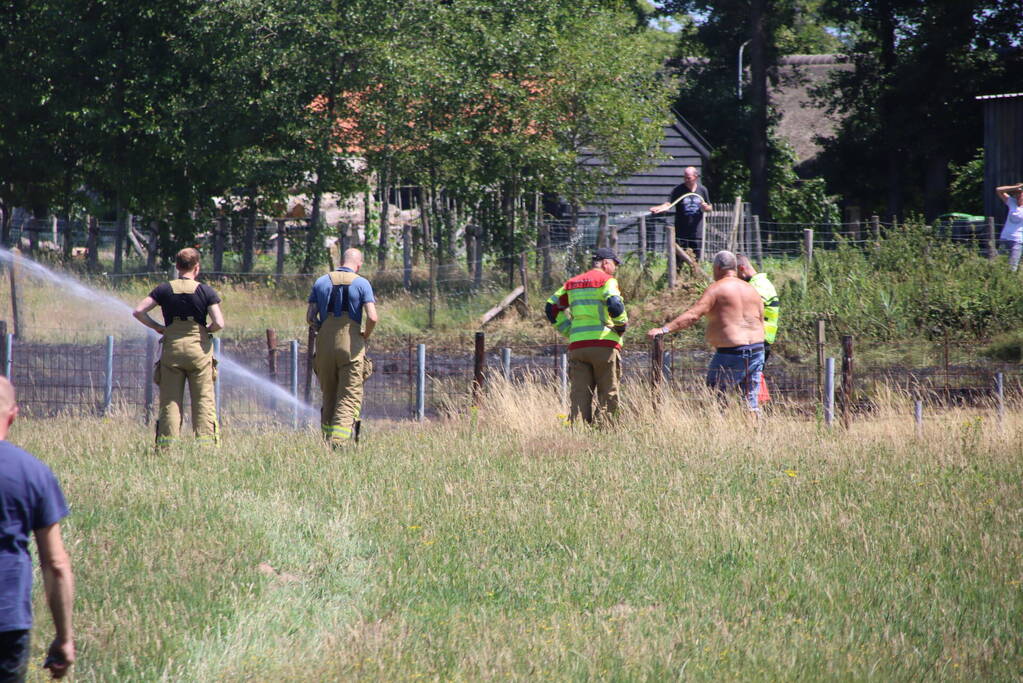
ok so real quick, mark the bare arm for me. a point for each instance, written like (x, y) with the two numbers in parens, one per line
(218, 318)
(59, 584)
(689, 318)
(369, 312)
(1004, 190)
(141, 313)
(310, 315)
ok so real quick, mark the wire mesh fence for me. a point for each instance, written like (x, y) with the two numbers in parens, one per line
(261, 382)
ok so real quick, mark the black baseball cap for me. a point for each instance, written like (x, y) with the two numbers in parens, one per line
(603, 253)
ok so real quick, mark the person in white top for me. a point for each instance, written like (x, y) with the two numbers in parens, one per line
(1011, 238)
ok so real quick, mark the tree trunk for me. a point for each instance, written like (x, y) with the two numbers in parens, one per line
(314, 228)
(119, 239)
(406, 257)
(759, 41)
(508, 217)
(935, 185)
(92, 243)
(68, 237)
(249, 236)
(890, 128)
(219, 229)
(153, 243)
(385, 226)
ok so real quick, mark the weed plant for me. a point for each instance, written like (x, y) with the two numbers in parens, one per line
(501, 543)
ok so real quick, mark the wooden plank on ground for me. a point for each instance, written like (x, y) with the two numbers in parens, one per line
(505, 303)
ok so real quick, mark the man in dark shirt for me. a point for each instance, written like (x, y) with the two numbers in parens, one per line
(689, 211)
(31, 503)
(187, 349)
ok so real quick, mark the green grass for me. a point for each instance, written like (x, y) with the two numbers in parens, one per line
(502, 544)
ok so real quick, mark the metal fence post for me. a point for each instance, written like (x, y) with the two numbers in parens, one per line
(506, 363)
(918, 417)
(294, 382)
(217, 392)
(421, 382)
(829, 391)
(1000, 395)
(108, 389)
(992, 246)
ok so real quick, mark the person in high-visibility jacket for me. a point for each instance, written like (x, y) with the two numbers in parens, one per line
(338, 303)
(187, 349)
(589, 310)
(768, 294)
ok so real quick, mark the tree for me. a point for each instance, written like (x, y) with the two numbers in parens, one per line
(908, 103)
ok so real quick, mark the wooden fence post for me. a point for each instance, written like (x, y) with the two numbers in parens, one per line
(669, 244)
(820, 359)
(3, 348)
(992, 245)
(656, 365)
(847, 378)
(12, 273)
(478, 366)
(271, 359)
(758, 242)
(642, 241)
(282, 231)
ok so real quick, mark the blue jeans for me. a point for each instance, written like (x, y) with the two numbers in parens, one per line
(13, 656)
(738, 367)
(1014, 249)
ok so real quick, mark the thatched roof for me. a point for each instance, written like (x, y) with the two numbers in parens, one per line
(802, 121)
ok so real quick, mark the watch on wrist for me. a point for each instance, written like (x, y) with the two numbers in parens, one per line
(665, 330)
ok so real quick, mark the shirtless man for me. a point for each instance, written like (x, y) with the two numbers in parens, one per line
(735, 327)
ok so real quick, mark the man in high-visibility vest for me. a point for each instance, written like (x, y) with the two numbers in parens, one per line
(187, 353)
(337, 305)
(768, 294)
(588, 309)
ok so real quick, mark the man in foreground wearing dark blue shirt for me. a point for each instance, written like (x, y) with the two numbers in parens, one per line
(336, 306)
(31, 502)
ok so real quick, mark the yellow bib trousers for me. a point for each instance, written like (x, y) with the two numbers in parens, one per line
(187, 356)
(340, 366)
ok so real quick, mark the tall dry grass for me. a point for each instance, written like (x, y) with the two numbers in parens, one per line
(687, 542)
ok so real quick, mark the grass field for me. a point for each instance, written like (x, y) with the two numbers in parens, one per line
(504, 544)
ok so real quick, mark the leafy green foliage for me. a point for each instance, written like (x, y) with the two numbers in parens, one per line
(911, 286)
(907, 105)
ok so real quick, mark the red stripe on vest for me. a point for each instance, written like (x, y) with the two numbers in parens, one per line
(591, 278)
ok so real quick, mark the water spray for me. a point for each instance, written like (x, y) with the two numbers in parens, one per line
(110, 304)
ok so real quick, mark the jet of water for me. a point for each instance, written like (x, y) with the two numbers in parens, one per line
(111, 305)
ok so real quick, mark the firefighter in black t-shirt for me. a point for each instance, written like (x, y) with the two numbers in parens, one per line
(187, 349)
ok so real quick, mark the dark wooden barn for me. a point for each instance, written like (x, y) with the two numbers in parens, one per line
(1003, 147)
(682, 146)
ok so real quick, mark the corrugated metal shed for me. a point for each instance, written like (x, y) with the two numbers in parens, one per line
(683, 147)
(1003, 147)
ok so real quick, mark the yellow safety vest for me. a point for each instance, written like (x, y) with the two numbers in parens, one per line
(582, 315)
(769, 294)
